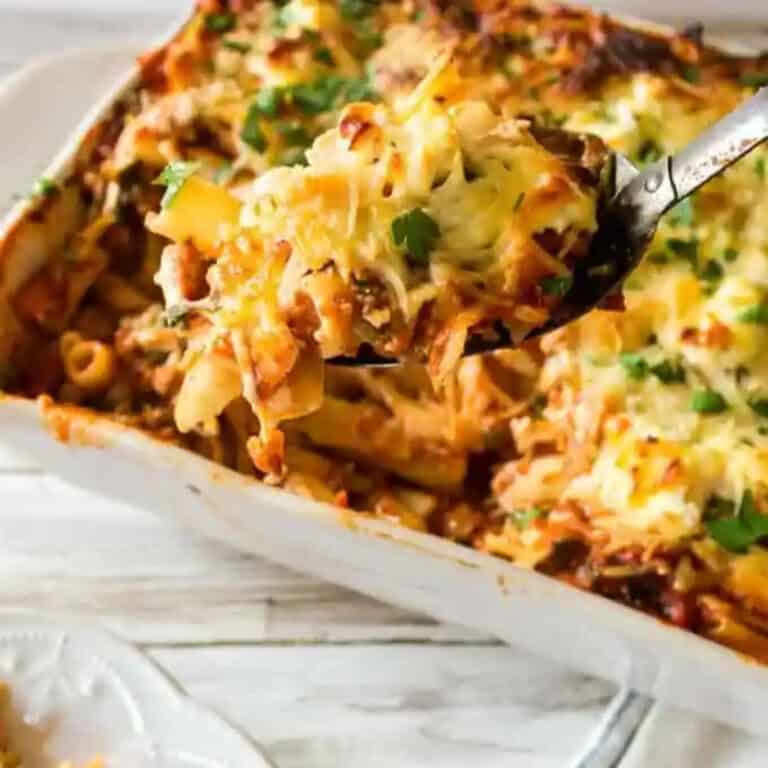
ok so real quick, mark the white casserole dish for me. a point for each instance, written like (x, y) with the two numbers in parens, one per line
(391, 563)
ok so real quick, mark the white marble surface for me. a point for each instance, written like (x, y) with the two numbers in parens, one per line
(321, 677)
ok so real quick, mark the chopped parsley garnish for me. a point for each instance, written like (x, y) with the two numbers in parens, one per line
(324, 93)
(691, 74)
(354, 10)
(669, 372)
(175, 315)
(683, 214)
(359, 90)
(755, 315)
(556, 285)
(324, 56)
(636, 366)
(730, 255)
(294, 134)
(294, 156)
(522, 518)
(740, 532)
(685, 249)
(173, 178)
(419, 232)
(318, 96)
(44, 187)
(236, 45)
(649, 152)
(519, 202)
(718, 507)
(711, 272)
(754, 79)
(760, 168)
(219, 23)
(760, 406)
(268, 102)
(252, 133)
(368, 37)
(708, 401)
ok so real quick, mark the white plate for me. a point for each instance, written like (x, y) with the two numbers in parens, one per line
(78, 693)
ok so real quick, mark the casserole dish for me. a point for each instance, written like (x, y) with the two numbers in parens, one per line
(362, 551)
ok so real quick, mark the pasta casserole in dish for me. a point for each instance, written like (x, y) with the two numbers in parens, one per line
(291, 182)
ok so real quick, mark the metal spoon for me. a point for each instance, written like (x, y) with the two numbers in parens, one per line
(632, 206)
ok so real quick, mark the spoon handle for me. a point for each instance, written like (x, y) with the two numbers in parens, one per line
(672, 179)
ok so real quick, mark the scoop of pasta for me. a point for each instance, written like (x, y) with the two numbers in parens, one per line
(410, 226)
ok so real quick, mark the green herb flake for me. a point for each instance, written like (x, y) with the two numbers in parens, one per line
(518, 202)
(718, 508)
(419, 232)
(730, 533)
(754, 79)
(324, 56)
(359, 90)
(523, 518)
(368, 37)
(294, 157)
(293, 133)
(711, 272)
(649, 152)
(691, 74)
(355, 10)
(760, 168)
(556, 285)
(252, 133)
(755, 315)
(220, 23)
(739, 533)
(749, 513)
(173, 178)
(730, 255)
(318, 96)
(685, 249)
(44, 187)
(268, 101)
(669, 372)
(635, 366)
(236, 45)
(760, 406)
(708, 401)
(683, 214)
